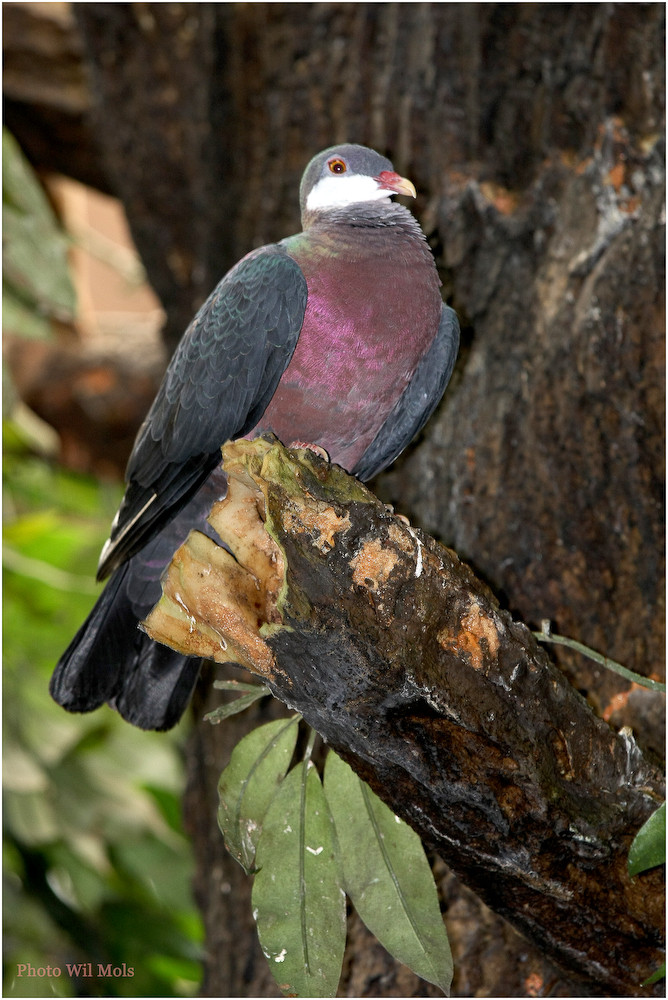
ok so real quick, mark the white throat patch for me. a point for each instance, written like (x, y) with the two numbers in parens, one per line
(338, 191)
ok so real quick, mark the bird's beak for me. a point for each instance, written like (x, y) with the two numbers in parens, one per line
(390, 181)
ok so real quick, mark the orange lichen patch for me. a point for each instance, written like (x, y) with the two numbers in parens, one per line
(399, 536)
(582, 167)
(373, 564)
(475, 627)
(211, 606)
(616, 176)
(630, 205)
(319, 520)
(618, 701)
(504, 201)
(534, 985)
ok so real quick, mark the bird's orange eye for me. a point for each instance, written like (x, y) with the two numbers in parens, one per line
(337, 166)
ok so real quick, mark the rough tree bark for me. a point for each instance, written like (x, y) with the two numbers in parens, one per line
(534, 136)
(402, 660)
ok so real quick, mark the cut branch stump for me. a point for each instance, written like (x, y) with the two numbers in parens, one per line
(405, 664)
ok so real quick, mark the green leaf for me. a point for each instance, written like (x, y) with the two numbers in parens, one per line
(248, 784)
(298, 899)
(387, 876)
(22, 319)
(649, 846)
(34, 246)
(656, 976)
(252, 693)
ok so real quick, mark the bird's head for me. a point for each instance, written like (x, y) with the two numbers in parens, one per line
(349, 175)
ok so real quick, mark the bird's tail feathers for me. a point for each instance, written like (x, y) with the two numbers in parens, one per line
(111, 660)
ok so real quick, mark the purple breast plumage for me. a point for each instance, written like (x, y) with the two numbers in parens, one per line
(372, 312)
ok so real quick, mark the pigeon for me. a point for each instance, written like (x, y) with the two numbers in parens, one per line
(336, 337)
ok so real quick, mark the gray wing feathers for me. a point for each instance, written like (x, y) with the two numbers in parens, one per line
(217, 386)
(229, 361)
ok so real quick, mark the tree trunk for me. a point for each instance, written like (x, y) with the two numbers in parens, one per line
(533, 133)
(402, 660)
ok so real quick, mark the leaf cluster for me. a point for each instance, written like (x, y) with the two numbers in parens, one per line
(97, 867)
(37, 285)
(647, 851)
(312, 842)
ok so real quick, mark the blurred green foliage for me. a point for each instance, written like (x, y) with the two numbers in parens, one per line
(36, 283)
(97, 869)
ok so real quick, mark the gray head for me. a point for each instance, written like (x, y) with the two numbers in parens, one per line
(348, 175)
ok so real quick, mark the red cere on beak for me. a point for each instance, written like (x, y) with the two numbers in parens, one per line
(390, 181)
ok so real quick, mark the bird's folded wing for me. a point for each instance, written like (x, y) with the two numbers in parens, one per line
(218, 384)
(418, 401)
